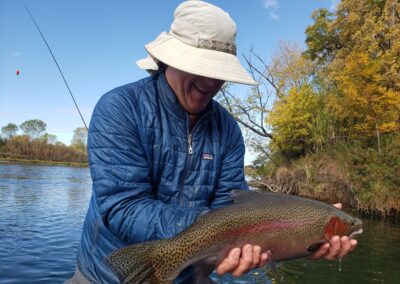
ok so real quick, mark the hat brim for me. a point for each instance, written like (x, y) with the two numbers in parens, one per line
(147, 63)
(199, 61)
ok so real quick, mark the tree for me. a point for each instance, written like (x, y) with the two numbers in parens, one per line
(289, 68)
(296, 122)
(287, 73)
(49, 138)
(33, 128)
(362, 64)
(365, 105)
(79, 138)
(10, 130)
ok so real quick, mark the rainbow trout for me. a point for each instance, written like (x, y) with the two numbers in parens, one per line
(289, 226)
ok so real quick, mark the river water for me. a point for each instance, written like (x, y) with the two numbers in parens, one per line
(42, 211)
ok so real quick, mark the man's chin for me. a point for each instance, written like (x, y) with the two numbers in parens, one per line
(196, 111)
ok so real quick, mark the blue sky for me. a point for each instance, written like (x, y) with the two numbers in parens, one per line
(96, 43)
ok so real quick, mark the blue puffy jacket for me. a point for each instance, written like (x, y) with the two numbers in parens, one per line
(151, 177)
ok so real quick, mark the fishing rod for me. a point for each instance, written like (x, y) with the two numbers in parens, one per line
(58, 66)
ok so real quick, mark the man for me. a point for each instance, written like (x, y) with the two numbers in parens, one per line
(162, 152)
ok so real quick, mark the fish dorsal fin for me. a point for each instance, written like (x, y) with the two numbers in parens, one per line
(239, 195)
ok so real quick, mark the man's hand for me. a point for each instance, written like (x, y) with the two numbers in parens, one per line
(240, 261)
(337, 248)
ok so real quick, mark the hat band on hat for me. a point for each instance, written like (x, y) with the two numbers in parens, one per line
(217, 45)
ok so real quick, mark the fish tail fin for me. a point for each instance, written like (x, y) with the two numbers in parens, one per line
(134, 264)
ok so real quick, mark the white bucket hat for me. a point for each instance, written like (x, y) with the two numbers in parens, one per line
(201, 41)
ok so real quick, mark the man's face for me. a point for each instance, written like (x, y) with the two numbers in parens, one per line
(193, 92)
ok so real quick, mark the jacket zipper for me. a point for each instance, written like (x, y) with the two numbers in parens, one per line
(190, 149)
(190, 155)
(187, 163)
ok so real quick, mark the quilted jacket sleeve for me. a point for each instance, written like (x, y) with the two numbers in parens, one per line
(122, 179)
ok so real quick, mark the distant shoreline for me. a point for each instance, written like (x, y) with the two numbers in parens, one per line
(40, 162)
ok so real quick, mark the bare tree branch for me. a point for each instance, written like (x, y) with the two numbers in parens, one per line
(262, 74)
(251, 125)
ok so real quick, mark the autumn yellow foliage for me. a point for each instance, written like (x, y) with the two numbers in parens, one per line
(365, 103)
(293, 119)
(357, 50)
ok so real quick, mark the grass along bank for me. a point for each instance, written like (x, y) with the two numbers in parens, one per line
(42, 162)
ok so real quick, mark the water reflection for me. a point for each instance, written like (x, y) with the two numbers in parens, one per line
(376, 260)
(42, 214)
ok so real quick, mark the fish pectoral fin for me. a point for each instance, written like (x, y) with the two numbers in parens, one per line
(202, 270)
(207, 280)
(315, 246)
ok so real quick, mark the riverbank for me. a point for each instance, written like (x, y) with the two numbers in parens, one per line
(41, 162)
(355, 174)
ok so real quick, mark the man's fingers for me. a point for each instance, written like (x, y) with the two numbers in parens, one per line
(230, 262)
(338, 248)
(334, 250)
(256, 256)
(338, 205)
(246, 261)
(323, 250)
(353, 244)
(264, 257)
(240, 261)
(344, 246)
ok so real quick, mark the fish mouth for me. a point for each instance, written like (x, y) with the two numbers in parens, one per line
(356, 233)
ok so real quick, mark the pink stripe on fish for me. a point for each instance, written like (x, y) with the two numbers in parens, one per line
(263, 227)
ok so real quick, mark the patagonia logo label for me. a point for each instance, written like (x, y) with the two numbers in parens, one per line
(208, 157)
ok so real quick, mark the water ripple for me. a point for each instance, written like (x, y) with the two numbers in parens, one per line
(42, 213)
